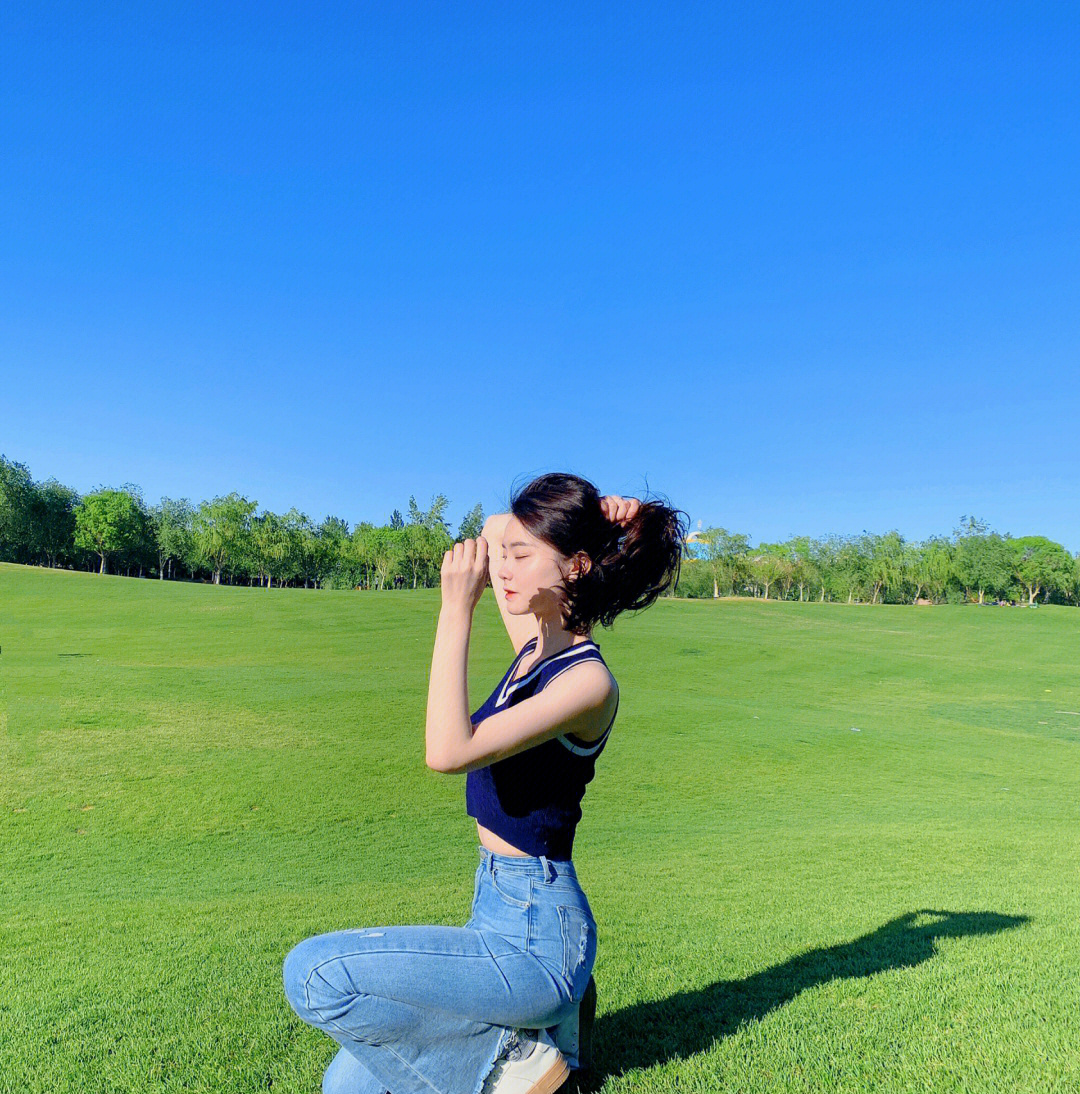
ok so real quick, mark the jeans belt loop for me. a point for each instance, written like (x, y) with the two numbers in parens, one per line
(549, 870)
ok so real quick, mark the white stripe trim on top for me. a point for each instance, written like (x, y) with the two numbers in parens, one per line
(588, 750)
(579, 750)
(508, 688)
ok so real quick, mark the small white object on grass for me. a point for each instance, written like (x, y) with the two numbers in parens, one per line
(855, 729)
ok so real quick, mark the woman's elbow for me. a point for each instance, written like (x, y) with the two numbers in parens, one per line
(439, 763)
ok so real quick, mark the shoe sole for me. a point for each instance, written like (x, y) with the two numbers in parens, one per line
(552, 1079)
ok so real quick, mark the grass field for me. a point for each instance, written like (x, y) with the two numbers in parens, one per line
(194, 778)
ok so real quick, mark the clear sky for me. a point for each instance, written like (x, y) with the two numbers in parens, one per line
(801, 268)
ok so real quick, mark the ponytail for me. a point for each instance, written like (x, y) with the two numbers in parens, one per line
(629, 566)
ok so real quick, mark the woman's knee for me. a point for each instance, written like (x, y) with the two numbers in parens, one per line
(295, 973)
(316, 985)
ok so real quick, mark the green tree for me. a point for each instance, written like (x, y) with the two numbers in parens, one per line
(472, 525)
(1071, 588)
(298, 531)
(766, 569)
(884, 556)
(16, 510)
(376, 551)
(173, 520)
(267, 546)
(433, 518)
(53, 520)
(220, 532)
(928, 566)
(803, 569)
(420, 547)
(1040, 563)
(823, 557)
(982, 559)
(724, 555)
(851, 565)
(108, 522)
(333, 547)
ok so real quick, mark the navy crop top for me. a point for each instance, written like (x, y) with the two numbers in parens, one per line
(533, 798)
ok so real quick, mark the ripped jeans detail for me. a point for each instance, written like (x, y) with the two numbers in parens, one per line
(579, 948)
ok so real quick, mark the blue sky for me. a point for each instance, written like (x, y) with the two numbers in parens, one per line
(800, 268)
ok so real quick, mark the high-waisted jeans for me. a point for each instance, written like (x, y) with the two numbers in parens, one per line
(428, 1009)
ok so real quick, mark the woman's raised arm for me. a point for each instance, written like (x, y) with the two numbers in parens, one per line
(520, 628)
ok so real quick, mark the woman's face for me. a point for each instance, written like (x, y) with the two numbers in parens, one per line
(530, 571)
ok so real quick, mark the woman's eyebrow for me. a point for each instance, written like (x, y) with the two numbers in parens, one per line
(516, 543)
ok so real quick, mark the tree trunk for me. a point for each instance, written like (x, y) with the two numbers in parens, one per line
(981, 593)
(102, 570)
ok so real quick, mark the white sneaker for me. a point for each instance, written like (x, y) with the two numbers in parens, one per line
(528, 1067)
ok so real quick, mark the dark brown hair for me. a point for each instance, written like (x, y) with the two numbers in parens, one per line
(630, 564)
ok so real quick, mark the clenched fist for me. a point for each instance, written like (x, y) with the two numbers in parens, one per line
(619, 510)
(465, 574)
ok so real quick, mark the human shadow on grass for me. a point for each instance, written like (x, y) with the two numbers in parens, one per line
(690, 1022)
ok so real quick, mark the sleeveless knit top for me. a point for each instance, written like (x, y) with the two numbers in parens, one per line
(533, 798)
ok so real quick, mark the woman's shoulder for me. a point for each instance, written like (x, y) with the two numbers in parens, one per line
(591, 670)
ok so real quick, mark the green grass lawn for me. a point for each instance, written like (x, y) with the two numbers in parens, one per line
(194, 778)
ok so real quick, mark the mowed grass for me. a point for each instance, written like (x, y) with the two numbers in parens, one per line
(192, 779)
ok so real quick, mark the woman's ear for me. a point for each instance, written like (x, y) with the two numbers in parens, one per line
(581, 565)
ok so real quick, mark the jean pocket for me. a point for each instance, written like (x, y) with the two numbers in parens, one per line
(579, 948)
(514, 889)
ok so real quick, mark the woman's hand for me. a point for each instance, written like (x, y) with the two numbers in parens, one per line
(465, 574)
(619, 510)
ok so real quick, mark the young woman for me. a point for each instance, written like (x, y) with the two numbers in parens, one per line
(493, 1007)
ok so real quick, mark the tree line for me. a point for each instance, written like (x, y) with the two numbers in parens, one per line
(975, 564)
(221, 540)
(225, 539)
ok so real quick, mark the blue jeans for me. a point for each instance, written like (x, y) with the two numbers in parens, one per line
(428, 1009)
